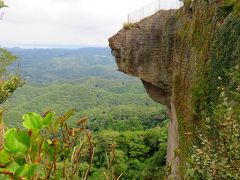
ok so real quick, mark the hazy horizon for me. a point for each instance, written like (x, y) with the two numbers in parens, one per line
(49, 46)
(64, 23)
(59, 23)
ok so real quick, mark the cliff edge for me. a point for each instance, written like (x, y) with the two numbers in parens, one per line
(184, 58)
(147, 51)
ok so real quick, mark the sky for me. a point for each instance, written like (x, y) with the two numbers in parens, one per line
(63, 23)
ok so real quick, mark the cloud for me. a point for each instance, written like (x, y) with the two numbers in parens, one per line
(70, 22)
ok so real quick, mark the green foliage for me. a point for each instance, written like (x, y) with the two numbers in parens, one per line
(45, 66)
(37, 152)
(42, 153)
(7, 87)
(231, 6)
(6, 59)
(2, 4)
(139, 154)
(115, 105)
(218, 52)
(111, 105)
(128, 26)
(216, 155)
(187, 3)
(12, 144)
(33, 121)
(224, 54)
(7, 84)
(211, 33)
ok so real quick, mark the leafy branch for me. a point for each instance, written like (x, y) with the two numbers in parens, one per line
(37, 147)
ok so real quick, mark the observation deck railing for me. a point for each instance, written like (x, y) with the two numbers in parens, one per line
(152, 8)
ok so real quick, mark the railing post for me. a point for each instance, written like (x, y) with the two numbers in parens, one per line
(140, 13)
(156, 6)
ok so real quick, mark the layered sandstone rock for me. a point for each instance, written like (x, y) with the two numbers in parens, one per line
(147, 51)
(184, 59)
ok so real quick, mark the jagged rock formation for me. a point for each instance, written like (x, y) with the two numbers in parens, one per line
(175, 54)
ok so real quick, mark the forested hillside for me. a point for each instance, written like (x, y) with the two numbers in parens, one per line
(70, 113)
(64, 65)
(118, 105)
(119, 111)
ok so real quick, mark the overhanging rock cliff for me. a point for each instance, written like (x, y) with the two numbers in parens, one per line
(147, 51)
(184, 58)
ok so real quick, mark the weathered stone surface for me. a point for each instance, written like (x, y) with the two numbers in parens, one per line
(179, 56)
(147, 51)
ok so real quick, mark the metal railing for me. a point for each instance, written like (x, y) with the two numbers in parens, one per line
(152, 8)
(1, 14)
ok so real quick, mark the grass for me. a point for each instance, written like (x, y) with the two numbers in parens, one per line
(128, 25)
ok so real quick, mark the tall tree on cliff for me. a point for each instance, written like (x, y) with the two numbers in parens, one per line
(8, 83)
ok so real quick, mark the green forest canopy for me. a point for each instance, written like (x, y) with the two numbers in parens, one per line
(117, 106)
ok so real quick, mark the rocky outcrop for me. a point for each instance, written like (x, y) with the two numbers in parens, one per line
(147, 51)
(186, 59)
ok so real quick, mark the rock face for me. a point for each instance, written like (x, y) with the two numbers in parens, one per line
(186, 60)
(147, 51)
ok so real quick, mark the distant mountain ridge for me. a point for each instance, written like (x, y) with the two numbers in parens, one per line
(44, 66)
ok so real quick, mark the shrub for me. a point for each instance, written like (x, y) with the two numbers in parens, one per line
(128, 26)
(215, 154)
(47, 148)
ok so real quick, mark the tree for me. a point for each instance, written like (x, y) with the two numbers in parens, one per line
(8, 84)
